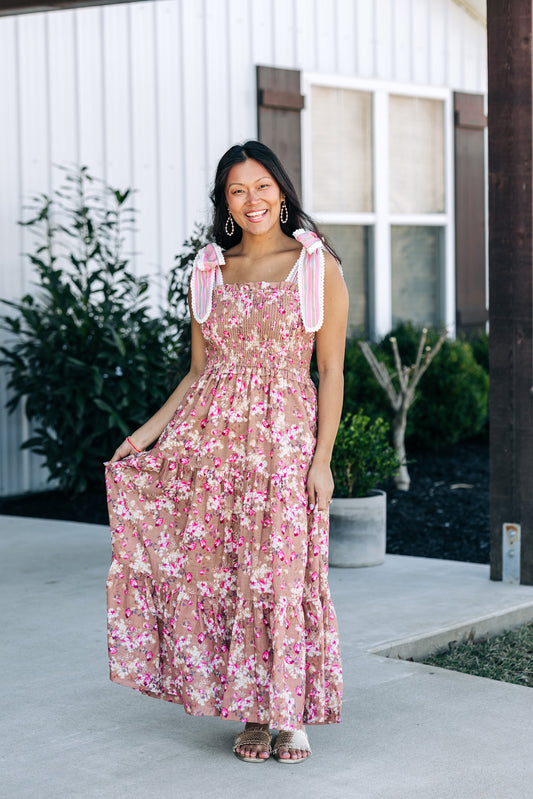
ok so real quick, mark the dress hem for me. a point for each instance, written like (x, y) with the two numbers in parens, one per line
(214, 712)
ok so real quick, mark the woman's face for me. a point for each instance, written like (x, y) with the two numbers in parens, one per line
(253, 197)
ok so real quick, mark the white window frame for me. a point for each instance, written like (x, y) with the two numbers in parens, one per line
(381, 220)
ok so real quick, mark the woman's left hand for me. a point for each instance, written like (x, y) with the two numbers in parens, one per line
(319, 486)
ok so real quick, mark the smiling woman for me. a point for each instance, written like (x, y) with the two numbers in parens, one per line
(218, 592)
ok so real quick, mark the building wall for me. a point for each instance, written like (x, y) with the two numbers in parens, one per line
(150, 94)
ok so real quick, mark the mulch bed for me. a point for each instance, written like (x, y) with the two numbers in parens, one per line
(445, 514)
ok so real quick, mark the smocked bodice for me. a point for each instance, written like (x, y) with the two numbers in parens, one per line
(257, 326)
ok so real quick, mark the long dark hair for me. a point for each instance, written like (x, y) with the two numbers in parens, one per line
(297, 217)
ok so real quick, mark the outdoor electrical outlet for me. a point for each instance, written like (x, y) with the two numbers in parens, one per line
(511, 553)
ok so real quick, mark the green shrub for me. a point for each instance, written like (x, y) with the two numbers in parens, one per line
(452, 397)
(85, 352)
(480, 350)
(361, 391)
(362, 455)
(454, 400)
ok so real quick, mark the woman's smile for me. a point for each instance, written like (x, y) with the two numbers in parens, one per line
(256, 216)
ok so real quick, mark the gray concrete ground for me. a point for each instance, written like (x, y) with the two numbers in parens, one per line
(408, 731)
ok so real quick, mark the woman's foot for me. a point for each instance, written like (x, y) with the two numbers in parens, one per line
(253, 744)
(292, 746)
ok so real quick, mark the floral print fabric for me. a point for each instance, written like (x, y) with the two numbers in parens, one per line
(218, 596)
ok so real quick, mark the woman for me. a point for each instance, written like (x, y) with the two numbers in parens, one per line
(218, 594)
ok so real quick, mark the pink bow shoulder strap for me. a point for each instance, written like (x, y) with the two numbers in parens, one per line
(311, 279)
(203, 279)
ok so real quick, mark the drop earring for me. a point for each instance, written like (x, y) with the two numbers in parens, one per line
(229, 227)
(283, 213)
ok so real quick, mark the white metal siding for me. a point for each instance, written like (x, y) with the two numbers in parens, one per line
(150, 94)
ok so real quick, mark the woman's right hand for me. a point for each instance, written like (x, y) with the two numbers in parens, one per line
(123, 451)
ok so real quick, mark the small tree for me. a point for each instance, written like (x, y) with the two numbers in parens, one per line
(401, 398)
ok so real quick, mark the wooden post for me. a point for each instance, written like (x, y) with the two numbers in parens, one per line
(509, 24)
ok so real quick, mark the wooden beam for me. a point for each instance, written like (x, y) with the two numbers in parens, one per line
(10, 7)
(509, 25)
(270, 98)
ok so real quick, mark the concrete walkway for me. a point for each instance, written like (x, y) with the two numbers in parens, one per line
(409, 731)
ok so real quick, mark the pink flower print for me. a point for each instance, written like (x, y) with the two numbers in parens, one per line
(209, 506)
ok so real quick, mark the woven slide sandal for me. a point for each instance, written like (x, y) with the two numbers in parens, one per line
(291, 739)
(253, 737)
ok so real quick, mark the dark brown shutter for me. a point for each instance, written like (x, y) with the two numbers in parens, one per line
(279, 104)
(470, 263)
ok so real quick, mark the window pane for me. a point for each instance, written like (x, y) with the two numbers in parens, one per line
(416, 255)
(351, 244)
(341, 142)
(416, 155)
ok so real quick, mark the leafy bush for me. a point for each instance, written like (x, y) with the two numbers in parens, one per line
(452, 403)
(452, 397)
(86, 354)
(362, 455)
(480, 350)
(361, 391)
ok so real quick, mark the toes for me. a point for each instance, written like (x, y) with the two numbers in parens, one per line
(297, 754)
(253, 753)
(293, 754)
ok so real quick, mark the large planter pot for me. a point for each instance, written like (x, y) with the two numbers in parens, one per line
(358, 530)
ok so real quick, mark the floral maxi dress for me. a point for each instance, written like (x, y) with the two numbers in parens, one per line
(218, 595)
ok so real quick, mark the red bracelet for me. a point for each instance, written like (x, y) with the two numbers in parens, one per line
(132, 445)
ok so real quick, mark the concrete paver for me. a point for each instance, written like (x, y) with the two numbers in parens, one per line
(408, 730)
